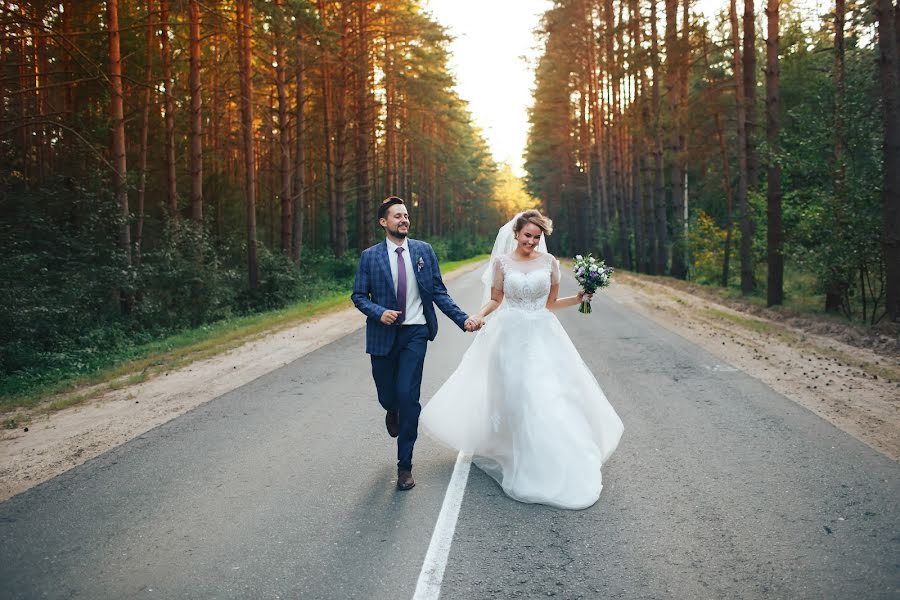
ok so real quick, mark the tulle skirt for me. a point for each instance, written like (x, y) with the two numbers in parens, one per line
(529, 410)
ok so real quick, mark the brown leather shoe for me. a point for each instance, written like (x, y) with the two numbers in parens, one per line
(405, 480)
(392, 422)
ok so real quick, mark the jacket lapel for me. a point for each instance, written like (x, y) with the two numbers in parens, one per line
(381, 257)
(416, 253)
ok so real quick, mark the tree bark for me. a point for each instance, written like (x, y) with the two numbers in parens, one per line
(674, 59)
(659, 190)
(243, 22)
(775, 289)
(299, 208)
(145, 129)
(196, 116)
(748, 283)
(363, 124)
(169, 103)
(889, 70)
(680, 245)
(749, 58)
(584, 155)
(621, 162)
(117, 116)
(835, 287)
(285, 195)
(340, 93)
(327, 126)
(596, 120)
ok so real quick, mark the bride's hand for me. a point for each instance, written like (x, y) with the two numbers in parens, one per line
(584, 296)
(474, 324)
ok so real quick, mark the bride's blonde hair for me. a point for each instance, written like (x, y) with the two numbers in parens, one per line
(534, 217)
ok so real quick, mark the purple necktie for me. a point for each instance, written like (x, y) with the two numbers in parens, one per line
(401, 286)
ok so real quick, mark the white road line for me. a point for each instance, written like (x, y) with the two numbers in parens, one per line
(429, 585)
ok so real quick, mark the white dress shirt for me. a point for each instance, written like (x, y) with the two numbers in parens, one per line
(414, 313)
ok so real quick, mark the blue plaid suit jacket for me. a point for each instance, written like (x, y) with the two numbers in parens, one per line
(374, 293)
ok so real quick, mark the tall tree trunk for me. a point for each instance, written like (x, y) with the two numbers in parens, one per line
(676, 70)
(196, 116)
(340, 94)
(836, 286)
(729, 201)
(327, 126)
(25, 137)
(171, 185)
(749, 58)
(748, 283)
(676, 177)
(611, 79)
(638, 136)
(364, 124)
(584, 153)
(888, 33)
(117, 116)
(775, 290)
(299, 209)
(596, 119)
(285, 194)
(620, 158)
(659, 190)
(390, 118)
(244, 30)
(587, 147)
(145, 129)
(69, 93)
(41, 66)
(726, 172)
(220, 155)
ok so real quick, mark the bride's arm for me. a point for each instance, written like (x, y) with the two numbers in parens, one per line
(492, 304)
(554, 303)
(553, 300)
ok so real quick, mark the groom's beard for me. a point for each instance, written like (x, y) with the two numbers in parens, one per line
(397, 233)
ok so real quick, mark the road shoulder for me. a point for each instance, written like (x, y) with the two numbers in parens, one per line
(60, 440)
(856, 389)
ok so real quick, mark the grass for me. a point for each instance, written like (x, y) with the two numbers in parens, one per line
(175, 351)
(16, 421)
(801, 294)
(746, 323)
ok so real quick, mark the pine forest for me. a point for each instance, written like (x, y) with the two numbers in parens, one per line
(169, 164)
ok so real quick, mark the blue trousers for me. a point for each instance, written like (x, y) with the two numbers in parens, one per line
(398, 379)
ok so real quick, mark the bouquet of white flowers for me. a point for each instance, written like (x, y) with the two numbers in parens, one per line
(592, 274)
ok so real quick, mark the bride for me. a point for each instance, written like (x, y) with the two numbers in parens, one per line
(522, 401)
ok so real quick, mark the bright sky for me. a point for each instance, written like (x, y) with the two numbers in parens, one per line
(493, 39)
(493, 57)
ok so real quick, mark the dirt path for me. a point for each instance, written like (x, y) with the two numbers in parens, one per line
(857, 390)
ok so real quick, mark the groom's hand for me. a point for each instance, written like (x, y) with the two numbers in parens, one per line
(388, 317)
(474, 324)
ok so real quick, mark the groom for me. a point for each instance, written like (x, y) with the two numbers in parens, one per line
(397, 285)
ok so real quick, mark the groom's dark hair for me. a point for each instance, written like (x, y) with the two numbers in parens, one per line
(388, 202)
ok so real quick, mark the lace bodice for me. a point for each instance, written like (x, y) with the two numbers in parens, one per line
(526, 283)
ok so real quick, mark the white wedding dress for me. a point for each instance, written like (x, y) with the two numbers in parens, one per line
(523, 402)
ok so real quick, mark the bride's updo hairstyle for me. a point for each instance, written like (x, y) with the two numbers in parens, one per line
(535, 218)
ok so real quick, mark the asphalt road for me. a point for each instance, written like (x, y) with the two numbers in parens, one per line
(284, 488)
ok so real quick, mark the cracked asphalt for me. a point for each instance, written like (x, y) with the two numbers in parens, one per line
(284, 488)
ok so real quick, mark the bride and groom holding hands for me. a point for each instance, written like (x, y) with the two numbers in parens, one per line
(521, 401)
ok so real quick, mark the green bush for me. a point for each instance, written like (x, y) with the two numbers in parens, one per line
(61, 274)
(184, 283)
